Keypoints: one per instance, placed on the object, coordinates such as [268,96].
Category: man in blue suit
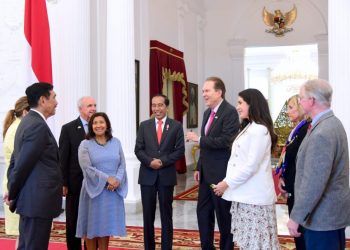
[322,194]
[159,144]
[34,175]
[220,125]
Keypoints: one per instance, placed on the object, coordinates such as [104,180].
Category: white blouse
[249,174]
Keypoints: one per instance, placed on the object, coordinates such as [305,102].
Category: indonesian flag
[37,33]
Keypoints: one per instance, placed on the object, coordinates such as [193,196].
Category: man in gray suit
[322,194]
[34,175]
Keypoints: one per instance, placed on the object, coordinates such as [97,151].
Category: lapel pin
[167,127]
[79,126]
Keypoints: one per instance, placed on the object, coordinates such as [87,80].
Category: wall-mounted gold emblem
[279,22]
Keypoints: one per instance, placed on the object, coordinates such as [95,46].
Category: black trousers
[208,204]
[34,233]
[149,202]
[72,206]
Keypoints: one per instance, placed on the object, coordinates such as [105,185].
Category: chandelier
[297,66]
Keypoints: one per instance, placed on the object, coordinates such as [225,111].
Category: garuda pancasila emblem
[279,22]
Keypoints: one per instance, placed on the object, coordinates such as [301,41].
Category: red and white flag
[37,33]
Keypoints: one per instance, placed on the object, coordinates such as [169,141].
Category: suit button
[158,151]
[234,164]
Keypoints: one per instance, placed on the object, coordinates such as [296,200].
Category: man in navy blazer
[71,136]
[34,176]
[322,194]
[220,125]
[159,144]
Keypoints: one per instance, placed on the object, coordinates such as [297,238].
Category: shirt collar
[39,113]
[318,116]
[217,107]
[164,119]
[83,121]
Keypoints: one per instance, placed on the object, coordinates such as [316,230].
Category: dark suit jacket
[290,158]
[215,148]
[71,136]
[171,148]
[34,176]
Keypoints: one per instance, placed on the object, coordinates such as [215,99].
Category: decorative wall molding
[193,6]
[12,48]
[236,48]
[322,42]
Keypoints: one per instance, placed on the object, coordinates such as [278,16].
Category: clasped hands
[156,164]
[112,183]
[219,188]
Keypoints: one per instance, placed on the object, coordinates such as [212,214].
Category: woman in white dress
[11,122]
[248,182]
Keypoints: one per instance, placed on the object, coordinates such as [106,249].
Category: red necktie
[211,118]
[309,128]
[159,130]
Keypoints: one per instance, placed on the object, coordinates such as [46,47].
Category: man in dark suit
[220,125]
[159,144]
[71,136]
[34,176]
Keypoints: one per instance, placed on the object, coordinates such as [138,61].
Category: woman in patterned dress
[11,122]
[101,205]
[248,182]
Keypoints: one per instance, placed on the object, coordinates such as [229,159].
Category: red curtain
[167,63]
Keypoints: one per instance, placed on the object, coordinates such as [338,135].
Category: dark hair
[258,112]
[108,132]
[218,85]
[37,90]
[20,105]
[166,99]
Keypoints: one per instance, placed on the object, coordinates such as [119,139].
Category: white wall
[233,19]
[163,22]
[13,48]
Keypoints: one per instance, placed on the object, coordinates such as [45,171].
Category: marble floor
[184,212]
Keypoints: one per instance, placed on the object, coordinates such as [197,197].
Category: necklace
[100,143]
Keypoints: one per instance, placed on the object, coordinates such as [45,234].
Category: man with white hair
[322,194]
[72,134]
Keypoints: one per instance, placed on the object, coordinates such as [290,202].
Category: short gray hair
[80,101]
[319,89]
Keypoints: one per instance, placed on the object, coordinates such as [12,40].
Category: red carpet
[183,239]
[191,194]
[10,244]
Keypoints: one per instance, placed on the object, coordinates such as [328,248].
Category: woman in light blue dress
[101,206]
